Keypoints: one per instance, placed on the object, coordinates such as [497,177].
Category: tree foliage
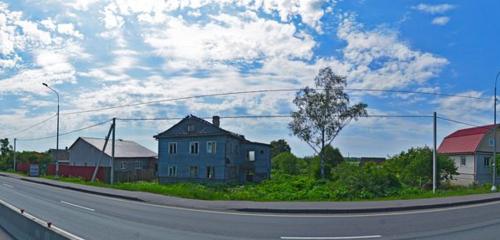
[288,163]
[323,111]
[332,157]
[414,167]
[279,146]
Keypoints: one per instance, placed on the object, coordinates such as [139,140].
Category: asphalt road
[4,235]
[96,217]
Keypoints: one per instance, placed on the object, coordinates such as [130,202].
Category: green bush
[414,167]
[363,182]
[288,163]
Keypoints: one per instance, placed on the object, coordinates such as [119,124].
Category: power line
[66,133]
[260,91]
[30,127]
[459,122]
[265,116]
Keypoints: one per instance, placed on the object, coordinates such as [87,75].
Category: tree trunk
[321,155]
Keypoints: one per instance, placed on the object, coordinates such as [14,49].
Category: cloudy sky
[105,53]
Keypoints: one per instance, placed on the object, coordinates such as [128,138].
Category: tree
[332,157]
[414,167]
[288,163]
[323,112]
[278,147]
[5,153]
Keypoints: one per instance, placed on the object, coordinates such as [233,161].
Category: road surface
[4,235]
[96,217]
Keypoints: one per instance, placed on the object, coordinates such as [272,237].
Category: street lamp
[494,187]
[57,138]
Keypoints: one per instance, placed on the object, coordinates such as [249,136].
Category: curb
[283,210]
[367,210]
[84,190]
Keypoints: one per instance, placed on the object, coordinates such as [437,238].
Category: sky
[98,54]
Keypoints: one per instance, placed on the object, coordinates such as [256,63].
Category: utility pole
[434,155]
[113,152]
[15,140]
[493,180]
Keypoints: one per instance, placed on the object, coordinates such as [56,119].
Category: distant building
[197,150]
[132,161]
[62,155]
[472,151]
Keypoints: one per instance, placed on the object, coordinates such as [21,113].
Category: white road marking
[332,238]
[78,206]
[340,215]
[7,185]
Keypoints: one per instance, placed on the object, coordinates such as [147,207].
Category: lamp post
[57,137]
[493,180]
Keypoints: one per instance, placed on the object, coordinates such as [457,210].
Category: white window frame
[123,165]
[210,172]
[197,172]
[491,142]
[198,148]
[486,161]
[251,155]
[190,128]
[172,171]
[463,161]
[169,148]
[211,147]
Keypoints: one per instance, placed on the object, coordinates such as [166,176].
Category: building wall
[84,154]
[183,160]
[466,172]
[229,161]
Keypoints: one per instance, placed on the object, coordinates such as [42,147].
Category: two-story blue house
[197,150]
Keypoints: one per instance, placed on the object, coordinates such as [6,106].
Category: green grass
[294,189]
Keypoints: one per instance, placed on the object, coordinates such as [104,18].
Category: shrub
[367,181]
[414,167]
[287,163]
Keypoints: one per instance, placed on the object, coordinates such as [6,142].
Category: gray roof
[123,148]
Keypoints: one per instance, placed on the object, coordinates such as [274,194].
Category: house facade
[472,151]
[132,162]
[197,150]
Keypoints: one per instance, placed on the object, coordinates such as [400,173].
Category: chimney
[216,121]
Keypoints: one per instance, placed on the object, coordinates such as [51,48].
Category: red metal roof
[464,140]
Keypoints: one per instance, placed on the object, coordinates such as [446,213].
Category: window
[172,171]
[123,165]
[491,142]
[210,172]
[251,156]
[211,147]
[486,161]
[193,171]
[190,128]
[172,148]
[194,147]
[463,161]
[138,164]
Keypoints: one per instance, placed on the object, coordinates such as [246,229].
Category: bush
[364,182]
[414,167]
[287,163]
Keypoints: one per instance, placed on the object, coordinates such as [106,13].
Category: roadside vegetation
[404,176]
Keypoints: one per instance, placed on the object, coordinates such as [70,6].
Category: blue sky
[106,53]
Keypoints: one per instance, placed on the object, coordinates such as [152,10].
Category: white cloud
[69,29]
[434,9]
[379,59]
[441,21]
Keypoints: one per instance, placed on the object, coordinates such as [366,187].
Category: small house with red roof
[472,151]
